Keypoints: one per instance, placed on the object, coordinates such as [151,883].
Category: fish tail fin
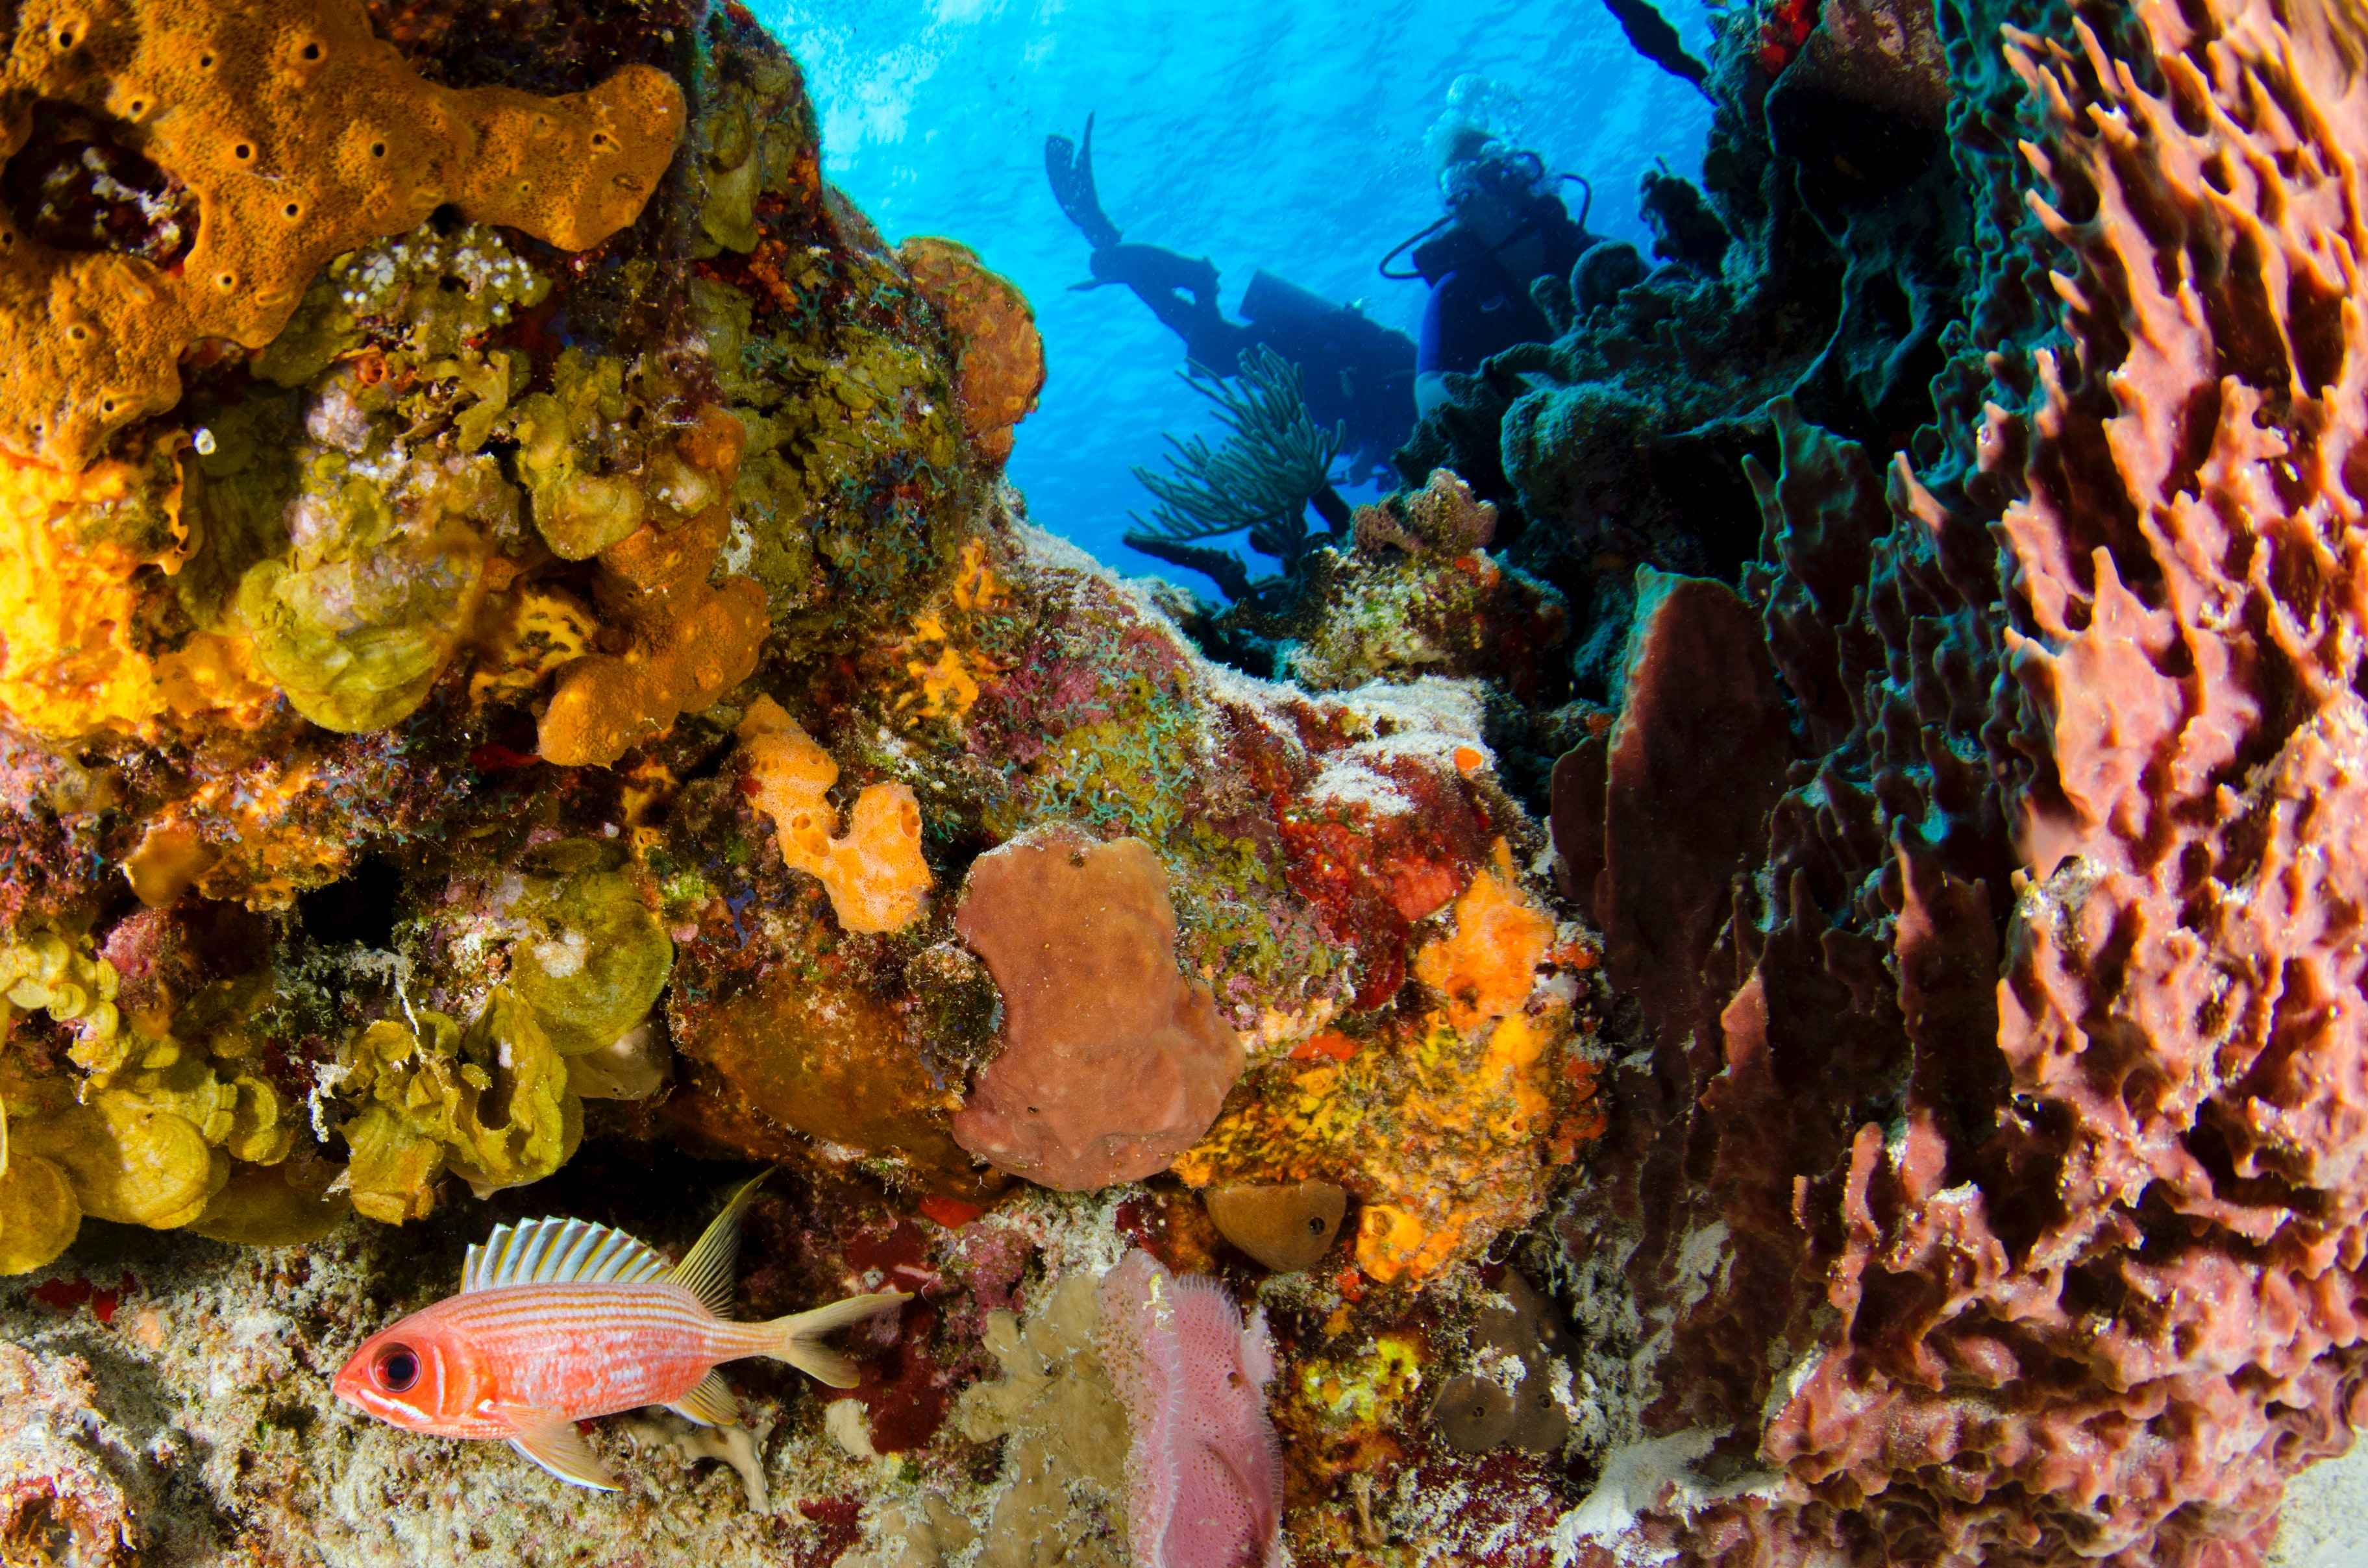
[797,1338]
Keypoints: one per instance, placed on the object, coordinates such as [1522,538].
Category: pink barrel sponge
[1203,1472]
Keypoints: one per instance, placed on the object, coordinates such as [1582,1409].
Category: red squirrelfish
[558,1320]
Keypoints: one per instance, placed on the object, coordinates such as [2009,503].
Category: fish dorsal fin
[706,1269]
[558,1251]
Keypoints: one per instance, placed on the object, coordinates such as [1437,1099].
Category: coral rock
[828,1061]
[1446,1121]
[1067,1432]
[1112,1063]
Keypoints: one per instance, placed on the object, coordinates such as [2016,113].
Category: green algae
[849,495]
[595,959]
[489,1101]
[598,461]
[378,586]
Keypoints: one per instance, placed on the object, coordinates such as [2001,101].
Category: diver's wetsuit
[1478,307]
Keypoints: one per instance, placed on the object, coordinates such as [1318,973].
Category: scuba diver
[1354,371]
[1504,227]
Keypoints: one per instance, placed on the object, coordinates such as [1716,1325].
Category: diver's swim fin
[1069,167]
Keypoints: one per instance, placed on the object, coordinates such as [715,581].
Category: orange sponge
[1000,369]
[873,871]
[691,644]
[298,135]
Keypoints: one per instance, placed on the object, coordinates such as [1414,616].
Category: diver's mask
[1512,176]
[1518,177]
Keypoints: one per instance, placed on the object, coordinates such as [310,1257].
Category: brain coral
[296,134]
[2028,1146]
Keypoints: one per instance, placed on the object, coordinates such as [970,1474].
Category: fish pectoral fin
[711,1404]
[550,1440]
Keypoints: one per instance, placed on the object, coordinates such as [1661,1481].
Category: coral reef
[1976,1185]
[1418,594]
[545,686]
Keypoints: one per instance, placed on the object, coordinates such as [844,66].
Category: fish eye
[396,1369]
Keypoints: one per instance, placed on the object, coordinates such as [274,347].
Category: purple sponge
[1203,1472]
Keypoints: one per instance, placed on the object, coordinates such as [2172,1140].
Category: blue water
[1282,134]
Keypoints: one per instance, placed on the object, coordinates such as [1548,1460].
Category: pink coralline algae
[1203,1472]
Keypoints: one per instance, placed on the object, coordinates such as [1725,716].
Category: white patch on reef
[562,955]
[1788,1387]
[327,1078]
[844,1420]
[1503,1368]
[1632,1480]
[739,545]
[1702,1262]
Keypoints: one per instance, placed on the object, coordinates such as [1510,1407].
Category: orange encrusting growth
[999,356]
[944,664]
[691,642]
[76,584]
[1486,966]
[298,135]
[873,871]
[1446,1121]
